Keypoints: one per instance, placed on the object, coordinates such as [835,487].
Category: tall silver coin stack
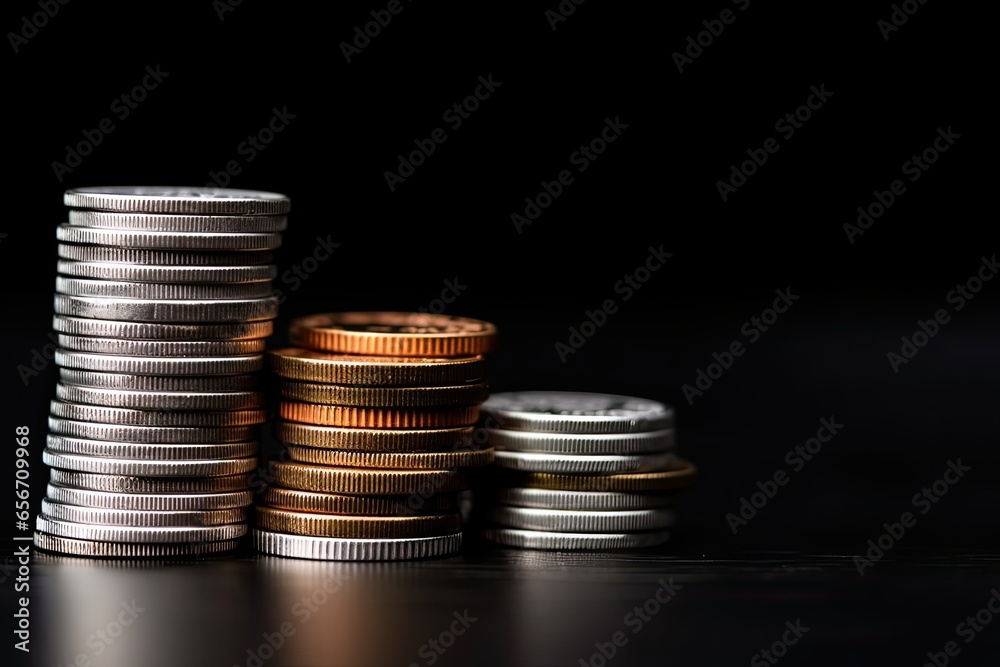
[582,471]
[162,309]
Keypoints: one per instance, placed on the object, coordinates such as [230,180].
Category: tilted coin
[131,417]
[143,535]
[159,383]
[134,518]
[582,443]
[157,502]
[394,334]
[398,397]
[373,439]
[581,500]
[78,326]
[340,503]
[171,199]
[154,485]
[571,521]
[143,468]
[368,481]
[168,274]
[152,434]
[127,450]
[358,527]
[337,549]
[577,412]
[103,253]
[301,364]
[96,549]
[561,541]
[179,223]
[160,400]
[119,363]
[127,238]
[337,415]
[598,464]
[151,310]
[113,289]
[399,460]
[162,348]
[684,475]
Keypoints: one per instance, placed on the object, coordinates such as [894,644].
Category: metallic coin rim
[341,503]
[142,535]
[160,400]
[163,502]
[311,366]
[590,521]
[522,420]
[333,549]
[365,481]
[355,526]
[142,518]
[392,460]
[149,485]
[560,541]
[158,383]
[385,397]
[683,475]
[161,435]
[583,443]
[354,417]
[554,499]
[150,452]
[129,364]
[97,549]
[589,464]
[82,326]
[153,222]
[150,468]
[129,199]
[371,439]
[164,311]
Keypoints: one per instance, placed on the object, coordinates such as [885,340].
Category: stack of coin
[162,309]
[582,471]
[377,412]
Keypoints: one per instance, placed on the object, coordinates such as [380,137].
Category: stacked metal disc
[582,471]
[377,413]
[162,309]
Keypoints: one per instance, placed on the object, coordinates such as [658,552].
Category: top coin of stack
[376,411]
[585,471]
[163,303]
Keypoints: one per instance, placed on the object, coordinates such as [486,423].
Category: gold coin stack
[376,412]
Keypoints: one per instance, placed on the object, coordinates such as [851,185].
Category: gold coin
[375,439]
[339,503]
[684,475]
[394,334]
[399,460]
[300,364]
[338,415]
[366,481]
[394,397]
[357,527]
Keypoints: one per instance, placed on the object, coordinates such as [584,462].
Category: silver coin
[113,289]
[604,464]
[166,435]
[156,502]
[168,274]
[159,400]
[146,257]
[130,417]
[151,310]
[94,549]
[128,450]
[576,412]
[162,348]
[151,222]
[157,383]
[343,549]
[173,199]
[117,363]
[573,521]
[582,443]
[127,238]
[133,484]
[143,535]
[559,541]
[581,500]
[140,468]
[78,326]
[137,519]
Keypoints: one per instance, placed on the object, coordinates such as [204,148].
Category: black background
[655,185]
